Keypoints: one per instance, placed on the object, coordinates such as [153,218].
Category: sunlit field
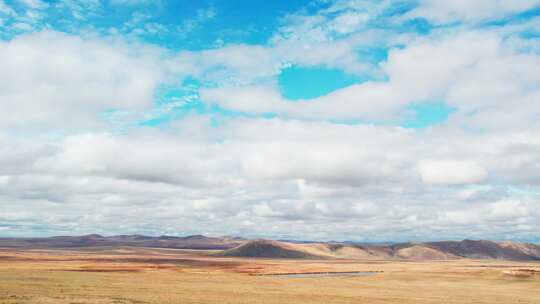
[129,275]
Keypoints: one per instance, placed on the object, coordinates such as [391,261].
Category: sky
[361,120]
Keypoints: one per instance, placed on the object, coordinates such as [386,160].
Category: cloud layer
[109,133]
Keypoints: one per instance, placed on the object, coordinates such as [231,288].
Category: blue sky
[185,25]
[330,116]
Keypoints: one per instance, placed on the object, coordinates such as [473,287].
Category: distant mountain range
[409,251]
[199,242]
[239,247]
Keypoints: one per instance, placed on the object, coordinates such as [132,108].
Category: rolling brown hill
[488,250]
[269,249]
[447,250]
[422,252]
[273,249]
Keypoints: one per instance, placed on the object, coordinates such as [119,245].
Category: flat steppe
[146,275]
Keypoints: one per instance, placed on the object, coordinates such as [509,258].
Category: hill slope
[268,249]
[488,249]
[421,253]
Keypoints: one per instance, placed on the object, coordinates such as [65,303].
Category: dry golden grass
[126,275]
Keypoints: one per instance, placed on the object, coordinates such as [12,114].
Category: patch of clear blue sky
[427,114]
[422,115]
[417,25]
[249,22]
[310,82]
[373,55]
[187,24]
[515,18]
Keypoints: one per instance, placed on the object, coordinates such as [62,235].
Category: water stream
[323,274]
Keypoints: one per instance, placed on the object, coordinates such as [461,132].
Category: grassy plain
[136,276]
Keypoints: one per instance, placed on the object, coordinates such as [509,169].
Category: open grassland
[142,275]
